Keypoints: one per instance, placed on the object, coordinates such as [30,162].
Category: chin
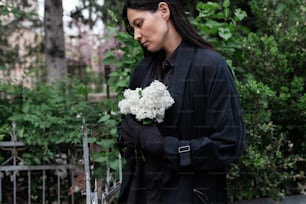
[150,49]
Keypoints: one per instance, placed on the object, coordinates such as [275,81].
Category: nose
[137,34]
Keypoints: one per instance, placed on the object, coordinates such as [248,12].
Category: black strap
[184,154]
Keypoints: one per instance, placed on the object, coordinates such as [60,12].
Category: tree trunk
[54,41]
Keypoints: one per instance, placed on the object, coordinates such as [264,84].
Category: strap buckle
[183,149]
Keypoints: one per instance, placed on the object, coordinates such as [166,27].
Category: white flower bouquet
[148,104]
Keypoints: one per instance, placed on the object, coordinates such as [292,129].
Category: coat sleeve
[222,137]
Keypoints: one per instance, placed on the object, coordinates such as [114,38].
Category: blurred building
[20,41]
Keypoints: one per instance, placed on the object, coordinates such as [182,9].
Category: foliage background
[263,42]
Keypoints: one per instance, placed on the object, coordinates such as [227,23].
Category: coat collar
[177,86]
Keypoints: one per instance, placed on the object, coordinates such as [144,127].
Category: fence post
[91,197]
[86,162]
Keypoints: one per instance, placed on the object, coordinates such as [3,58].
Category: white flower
[148,103]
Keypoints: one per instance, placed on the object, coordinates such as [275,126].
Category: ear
[164,10]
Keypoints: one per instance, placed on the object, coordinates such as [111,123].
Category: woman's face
[150,28]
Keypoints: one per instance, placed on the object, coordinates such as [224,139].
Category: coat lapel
[177,86]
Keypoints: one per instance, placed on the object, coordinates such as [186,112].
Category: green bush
[221,26]
[269,165]
[274,56]
[47,118]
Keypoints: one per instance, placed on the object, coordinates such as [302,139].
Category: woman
[183,159]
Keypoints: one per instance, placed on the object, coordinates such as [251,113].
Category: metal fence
[98,195]
[17,180]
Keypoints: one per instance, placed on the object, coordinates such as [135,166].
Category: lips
[144,44]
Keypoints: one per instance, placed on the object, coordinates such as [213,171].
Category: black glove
[144,137]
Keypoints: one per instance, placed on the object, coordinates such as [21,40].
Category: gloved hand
[144,137]
[125,137]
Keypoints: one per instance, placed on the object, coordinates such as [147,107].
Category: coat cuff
[177,152]
[184,155]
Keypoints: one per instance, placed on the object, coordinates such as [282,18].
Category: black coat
[205,124]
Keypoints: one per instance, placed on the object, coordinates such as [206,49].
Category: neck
[173,41]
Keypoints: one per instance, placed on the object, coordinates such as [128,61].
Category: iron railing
[14,166]
[14,169]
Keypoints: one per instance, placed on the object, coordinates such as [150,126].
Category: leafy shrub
[269,164]
[273,56]
[47,118]
[220,26]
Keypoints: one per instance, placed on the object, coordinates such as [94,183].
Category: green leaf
[106,143]
[225,33]
[109,61]
[25,107]
[226,13]
[20,132]
[112,15]
[104,118]
[147,121]
[108,54]
[226,3]
[240,14]
[110,123]
[100,159]
[279,9]
[113,131]
[91,139]
[114,164]
[123,83]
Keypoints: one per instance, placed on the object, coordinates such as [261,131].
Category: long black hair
[177,17]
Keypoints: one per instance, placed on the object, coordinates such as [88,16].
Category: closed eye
[138,24]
